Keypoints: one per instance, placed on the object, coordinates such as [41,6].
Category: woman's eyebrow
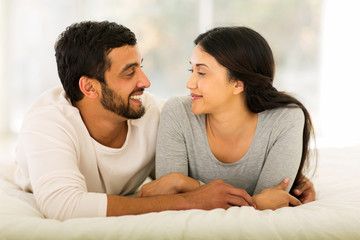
[200,64]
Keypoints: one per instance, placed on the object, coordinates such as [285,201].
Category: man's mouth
[195,96]
[136,96]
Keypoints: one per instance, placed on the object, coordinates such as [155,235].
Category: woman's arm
[275,197]
[171,153]
[283,158]
[171,183]
[271,198]
[171,166]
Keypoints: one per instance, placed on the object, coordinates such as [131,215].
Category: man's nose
[143,82]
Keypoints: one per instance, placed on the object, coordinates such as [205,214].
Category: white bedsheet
[335,215]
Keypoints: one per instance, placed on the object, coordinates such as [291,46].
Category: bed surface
[334,215]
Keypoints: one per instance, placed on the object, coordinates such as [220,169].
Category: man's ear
[238,87]
[88,87]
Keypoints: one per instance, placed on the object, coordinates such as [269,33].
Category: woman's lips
[195,96]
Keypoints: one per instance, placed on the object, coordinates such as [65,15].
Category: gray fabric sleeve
[284,157]
[171,153]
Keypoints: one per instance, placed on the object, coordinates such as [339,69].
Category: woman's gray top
[274,154]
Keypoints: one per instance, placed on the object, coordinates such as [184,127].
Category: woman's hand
[276,197]
[171,183]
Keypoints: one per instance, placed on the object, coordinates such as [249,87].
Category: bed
[334,215]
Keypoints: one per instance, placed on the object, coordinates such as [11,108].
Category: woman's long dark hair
[248,57]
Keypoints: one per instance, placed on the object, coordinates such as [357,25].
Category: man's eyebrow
[130,65]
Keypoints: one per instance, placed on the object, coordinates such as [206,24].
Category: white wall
[340,73]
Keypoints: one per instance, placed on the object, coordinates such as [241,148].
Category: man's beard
[111,101]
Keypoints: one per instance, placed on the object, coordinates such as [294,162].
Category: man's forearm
[120,205]
[216,194]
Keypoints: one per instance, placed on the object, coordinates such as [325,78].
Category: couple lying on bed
[235,141]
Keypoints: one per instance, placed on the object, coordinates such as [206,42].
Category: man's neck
[105,127]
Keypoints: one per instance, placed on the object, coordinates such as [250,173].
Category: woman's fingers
[284,184]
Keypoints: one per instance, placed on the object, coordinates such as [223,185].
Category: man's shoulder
[150,101]
[51,98]
[51,105]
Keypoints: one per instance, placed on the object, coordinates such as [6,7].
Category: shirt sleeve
[59,187]
[171,153]
[283,158]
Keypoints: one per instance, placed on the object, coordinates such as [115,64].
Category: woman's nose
[191,83]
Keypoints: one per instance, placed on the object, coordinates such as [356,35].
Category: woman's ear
[88,87]
[238,87]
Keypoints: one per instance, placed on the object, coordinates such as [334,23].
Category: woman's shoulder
[178,103]
[289,110]
[179,109]
[284,115]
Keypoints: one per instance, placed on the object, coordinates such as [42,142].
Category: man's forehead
[124,51]
[124,55]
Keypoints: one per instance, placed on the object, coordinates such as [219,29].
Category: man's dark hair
[82,50]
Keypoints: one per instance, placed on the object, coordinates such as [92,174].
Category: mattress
[334,215]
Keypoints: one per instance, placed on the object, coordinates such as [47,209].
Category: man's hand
[217,194]
[305,191]
[275,197]
[171,183]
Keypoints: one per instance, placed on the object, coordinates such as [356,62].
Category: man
[84,147]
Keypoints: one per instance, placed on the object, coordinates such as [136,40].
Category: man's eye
[131,74]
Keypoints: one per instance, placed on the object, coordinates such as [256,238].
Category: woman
[235,125]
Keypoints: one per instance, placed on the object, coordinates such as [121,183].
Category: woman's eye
[200,73]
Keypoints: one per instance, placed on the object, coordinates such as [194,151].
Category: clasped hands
[218,194]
